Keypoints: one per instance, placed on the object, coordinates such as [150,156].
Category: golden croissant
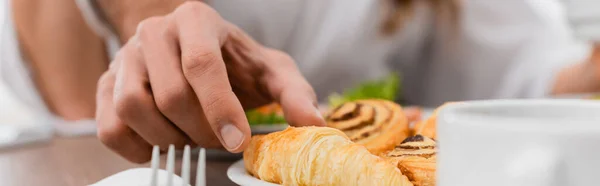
[379,125]
[317,156]
[416,158]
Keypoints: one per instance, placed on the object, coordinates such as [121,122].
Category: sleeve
[584,17]
[514,48]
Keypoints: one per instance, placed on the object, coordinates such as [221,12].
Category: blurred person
[185,72]
[48,46]
[51,60]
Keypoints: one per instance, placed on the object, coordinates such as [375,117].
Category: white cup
[519,143]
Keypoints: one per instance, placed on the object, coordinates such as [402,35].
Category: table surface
[81,161]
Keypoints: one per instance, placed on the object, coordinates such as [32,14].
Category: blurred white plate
[238,174]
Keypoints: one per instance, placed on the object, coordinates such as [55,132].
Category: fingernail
[232,136]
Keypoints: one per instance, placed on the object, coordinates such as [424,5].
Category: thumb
[289,88]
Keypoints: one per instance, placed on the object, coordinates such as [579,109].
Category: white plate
[238,174]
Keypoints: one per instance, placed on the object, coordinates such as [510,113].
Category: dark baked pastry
[379,125]
[416,159]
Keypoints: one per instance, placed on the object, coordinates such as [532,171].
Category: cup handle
[535,167]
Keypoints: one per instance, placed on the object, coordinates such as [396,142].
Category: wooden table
[80,161]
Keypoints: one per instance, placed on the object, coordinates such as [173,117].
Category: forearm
[65,56]
[124,15]
[580,78]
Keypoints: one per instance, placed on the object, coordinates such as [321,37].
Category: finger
[284,83]
[112,132]
[288,87]
[173,95]
[135,105]
[205,71]
[413,113]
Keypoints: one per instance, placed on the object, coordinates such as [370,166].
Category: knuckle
[170,100]
[149,23]
[194,7]
[113,137]
[105,81]
[196,10]
[215,99]
[129,101]
[149,26]
[199,61]
[281,58]
[110,134]
[115,134]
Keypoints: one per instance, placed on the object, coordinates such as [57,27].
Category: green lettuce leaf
[256,118]
[386,88]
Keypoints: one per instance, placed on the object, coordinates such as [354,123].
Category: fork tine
[201,168]
[185,167]
[170,165]
[154,165]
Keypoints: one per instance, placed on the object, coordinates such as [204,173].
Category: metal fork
[185,168]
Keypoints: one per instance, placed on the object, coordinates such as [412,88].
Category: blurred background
[420,54]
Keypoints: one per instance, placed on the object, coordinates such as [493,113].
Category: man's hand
[186,78]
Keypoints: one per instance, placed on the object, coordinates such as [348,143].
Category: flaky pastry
[317,156]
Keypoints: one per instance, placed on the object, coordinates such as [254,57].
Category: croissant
[379,125]
[317,156]
[416,158]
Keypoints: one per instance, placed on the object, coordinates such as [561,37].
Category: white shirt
[14,73]
[502,49]
[584,17]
